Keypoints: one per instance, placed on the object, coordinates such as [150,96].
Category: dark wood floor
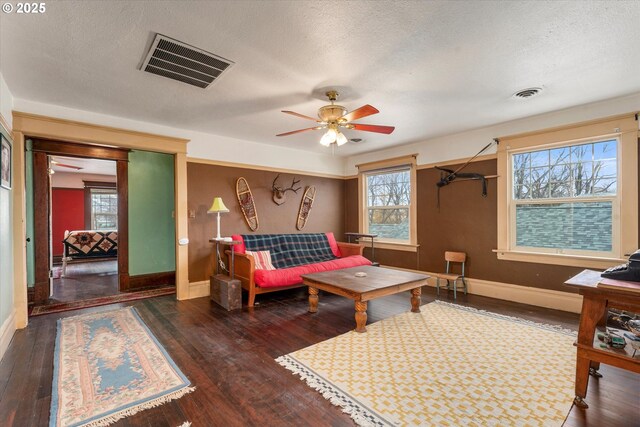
[86,280]
[229,357]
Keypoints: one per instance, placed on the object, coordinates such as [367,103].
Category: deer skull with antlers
[279,192]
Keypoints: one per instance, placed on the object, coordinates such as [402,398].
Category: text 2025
[31,7]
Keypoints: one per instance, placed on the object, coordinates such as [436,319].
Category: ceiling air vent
[179,61]
[527,93]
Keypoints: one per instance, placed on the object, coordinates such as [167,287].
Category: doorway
[84,228]
[81,251]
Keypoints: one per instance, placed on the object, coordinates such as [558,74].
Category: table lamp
[218,207]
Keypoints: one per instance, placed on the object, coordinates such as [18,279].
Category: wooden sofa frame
[244,267]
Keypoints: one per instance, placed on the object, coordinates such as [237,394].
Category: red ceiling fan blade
[293,113]
[358,113]
[298,131]
[62,165]
[373,128]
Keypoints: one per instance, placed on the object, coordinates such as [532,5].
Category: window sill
[558,259]
[407,247]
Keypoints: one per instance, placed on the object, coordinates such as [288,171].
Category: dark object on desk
[629,271]
[226,291]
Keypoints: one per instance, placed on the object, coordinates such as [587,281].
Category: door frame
[88,133]
[42,148]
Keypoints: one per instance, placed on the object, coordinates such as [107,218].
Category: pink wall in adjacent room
[67,213]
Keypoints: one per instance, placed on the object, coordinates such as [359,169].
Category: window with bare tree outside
[388,195]
[564,199]
[568,195]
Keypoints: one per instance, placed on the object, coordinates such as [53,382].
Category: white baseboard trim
[199,289]
[548,298]
[7,330]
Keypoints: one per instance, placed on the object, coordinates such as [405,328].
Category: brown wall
[208,181]
[465,222]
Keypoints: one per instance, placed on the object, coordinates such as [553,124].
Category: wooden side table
[359,236]
[224,289]
[600,294]
[223,242]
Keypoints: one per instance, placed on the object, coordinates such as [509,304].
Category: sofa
[273,262]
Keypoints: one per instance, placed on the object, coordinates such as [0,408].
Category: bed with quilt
[86,244]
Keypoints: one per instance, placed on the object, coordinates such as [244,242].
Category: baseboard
[7,330]
[166,278]
[199,289]
[547,298]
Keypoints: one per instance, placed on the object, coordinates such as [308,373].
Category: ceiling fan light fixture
[333,117]
[328,138]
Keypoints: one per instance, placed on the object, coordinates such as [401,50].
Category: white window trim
[614,199]
[93,213]
[625,128]
[398,162]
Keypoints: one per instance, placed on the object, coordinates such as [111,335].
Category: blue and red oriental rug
[107,366]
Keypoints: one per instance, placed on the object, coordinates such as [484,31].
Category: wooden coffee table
[378,282]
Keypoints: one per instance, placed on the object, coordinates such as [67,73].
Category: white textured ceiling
[431,68]
[87,166]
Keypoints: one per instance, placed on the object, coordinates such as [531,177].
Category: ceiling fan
[64,165]
[334,117]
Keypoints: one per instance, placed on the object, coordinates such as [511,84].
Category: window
[388,200]
[564,199]
[104,209]
[387,195]
[570,194]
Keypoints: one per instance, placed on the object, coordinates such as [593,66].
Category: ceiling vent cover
[527,93]
[179,61]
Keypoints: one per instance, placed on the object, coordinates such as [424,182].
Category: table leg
[415,300]
[313,300]
[361,316]
[592,311]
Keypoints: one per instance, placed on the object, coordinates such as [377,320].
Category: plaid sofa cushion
[290,250]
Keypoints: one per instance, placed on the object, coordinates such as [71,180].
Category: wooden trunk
[226,292]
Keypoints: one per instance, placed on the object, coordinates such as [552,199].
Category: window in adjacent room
[387,195]
[104,209]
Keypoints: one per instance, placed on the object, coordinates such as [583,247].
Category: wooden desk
[600,294]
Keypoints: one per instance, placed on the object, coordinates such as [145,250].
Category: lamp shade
[328,138]
[218,206]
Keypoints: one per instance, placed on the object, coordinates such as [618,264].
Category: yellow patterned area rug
[446,366]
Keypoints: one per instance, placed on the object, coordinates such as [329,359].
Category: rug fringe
[360,416]
[108,420]
[546,326]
